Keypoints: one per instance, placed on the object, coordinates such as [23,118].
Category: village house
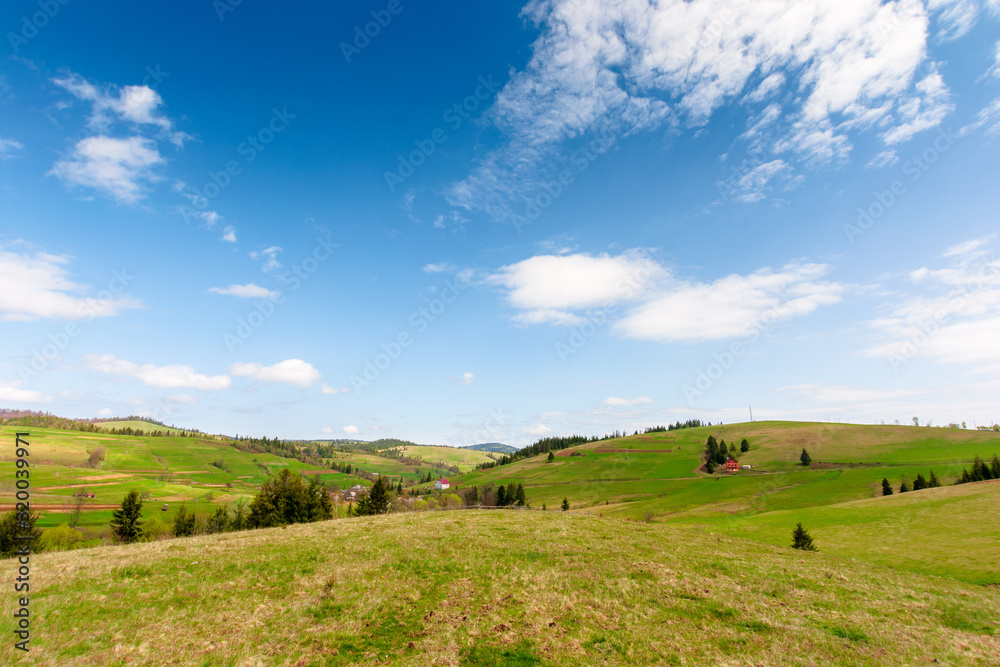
[732,465]
[441,484]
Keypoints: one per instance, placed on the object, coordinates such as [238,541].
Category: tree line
[717,453]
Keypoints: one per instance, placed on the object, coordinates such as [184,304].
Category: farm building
[441,484]
[732,465]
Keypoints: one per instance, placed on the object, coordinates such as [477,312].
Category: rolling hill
[495,447]
[494,588]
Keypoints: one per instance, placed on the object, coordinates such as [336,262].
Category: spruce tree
[933,482]
[995,467]
[552,457]
[565,505]
[744,446]
[126,523]
[919,483]
[886,487]
[710,467]
[519,495]
[805,458]
[903,486]
[378,498]
[801,539]
[511,494]
[183,522]
[501,496]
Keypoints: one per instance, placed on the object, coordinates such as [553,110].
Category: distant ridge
[497,447]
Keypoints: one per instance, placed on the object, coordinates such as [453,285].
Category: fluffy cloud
[120,167]
[139,105]
[614,401]
[953,320]
[548,287]
[248,291]
[38,286]
[467,378]
[539,430]
[661,307]
[730,307]
[162,377]
[12,392]
[269,256]
[291,371]
[350,429]
[613,69]
[327,389]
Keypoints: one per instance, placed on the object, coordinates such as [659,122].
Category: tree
[552,457]
[519,495]
[501,496]
[886,487]
[76,511]
[744,446]
[238,520]
[903,486]
[933,482]
[805,458]
[545,507]
[183,522]
[511,494]
[318,502]
[919,483]
[565,505]
[16,525]
[710,466]
[995,467]
[218,522]
[801,539]
[378,498]
[126,521]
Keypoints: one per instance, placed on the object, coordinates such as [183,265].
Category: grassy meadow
[493,588]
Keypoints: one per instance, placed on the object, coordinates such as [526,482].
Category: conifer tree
[519,495]
[933,482]
[183,522]
[919,483]
[744,446]
[378,498]
[886,487]
[552,457]
[805,458]
[565,505]
[903,486]
[126,523]
[501,496]
[710,467]
[995,467]
[801,539]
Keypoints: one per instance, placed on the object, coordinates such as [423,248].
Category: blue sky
[500,222]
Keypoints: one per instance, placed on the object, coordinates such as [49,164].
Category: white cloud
[956,17]
[38,286]
[163,377]
[105,412]
[548,287]
[883,159]
[291,371]
[326,430]
[11,392]
[229,234]
[438,268]
[613,69]
[7,148]
[539,430]
[351,429]
[248,291]
[467,378]
[988,118]
[139,105]
[614,401]
[119,167]
[327,389]
[953,319]
[557,289]
[730,307]
[269,256]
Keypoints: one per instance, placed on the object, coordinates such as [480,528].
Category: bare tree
[76,506]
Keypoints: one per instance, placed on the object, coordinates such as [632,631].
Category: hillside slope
[480,587]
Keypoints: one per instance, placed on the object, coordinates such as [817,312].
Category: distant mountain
[497,447]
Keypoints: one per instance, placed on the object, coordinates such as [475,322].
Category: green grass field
[464,459]
[493,588]
[146,427]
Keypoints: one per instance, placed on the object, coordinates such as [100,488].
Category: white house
[441,484]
